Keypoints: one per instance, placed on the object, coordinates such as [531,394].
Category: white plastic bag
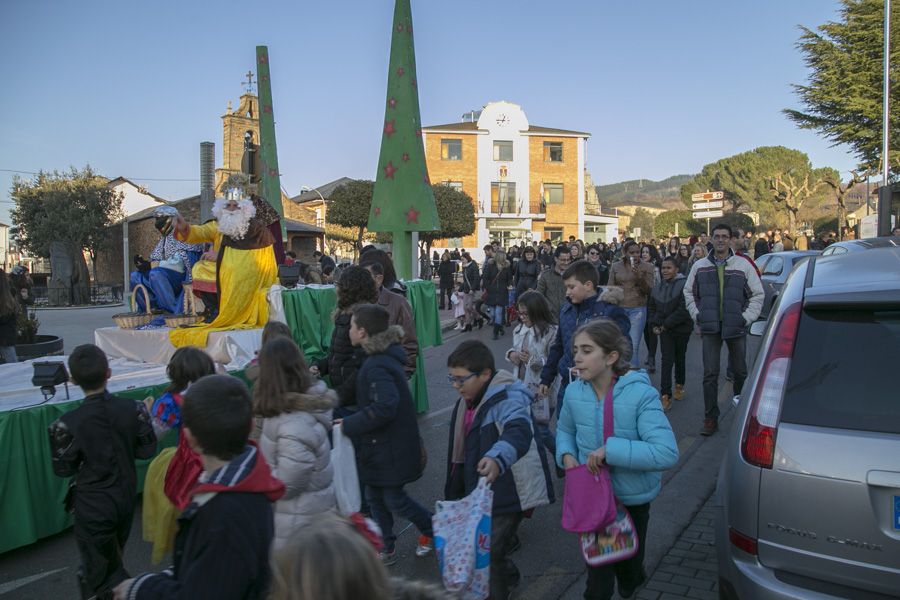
[462,540]
[346,481]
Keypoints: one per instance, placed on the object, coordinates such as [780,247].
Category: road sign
[707,196]
[707,214]
[713,204]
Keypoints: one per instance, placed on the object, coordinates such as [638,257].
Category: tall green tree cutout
[403,200]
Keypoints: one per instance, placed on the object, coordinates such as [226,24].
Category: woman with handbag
[532,339]
[495,279]
[612,420]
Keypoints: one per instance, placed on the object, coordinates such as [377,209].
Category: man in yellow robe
[245,267]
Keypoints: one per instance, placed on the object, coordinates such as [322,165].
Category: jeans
[712,356]
[385,501]
[504,573]
[8,353]
[674,349]
[629,573]
[637,316]
[497,313]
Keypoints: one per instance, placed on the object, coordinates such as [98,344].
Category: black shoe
[629,592]
[480,323]
[467,328]
[710,426]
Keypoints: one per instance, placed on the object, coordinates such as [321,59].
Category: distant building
[526,182]
[135,198]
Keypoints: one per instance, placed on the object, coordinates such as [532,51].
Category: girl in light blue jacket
[641,446]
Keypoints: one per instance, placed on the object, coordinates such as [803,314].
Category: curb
[77,307]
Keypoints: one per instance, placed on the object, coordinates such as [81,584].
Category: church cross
[249,82]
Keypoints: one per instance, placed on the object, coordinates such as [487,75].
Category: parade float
[34,393]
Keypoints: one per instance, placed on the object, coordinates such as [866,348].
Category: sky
[133,88]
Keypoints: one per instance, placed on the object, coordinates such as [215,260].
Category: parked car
[857,245]
[808,497]
[775,268]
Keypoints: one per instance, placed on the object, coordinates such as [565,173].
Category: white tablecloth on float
[16,391]
[233,349]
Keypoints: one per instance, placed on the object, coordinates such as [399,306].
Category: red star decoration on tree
[267,109]
[412,215]
[263,60]
[264,78]
[389,128]
[409,29]
[400,27]
[377,211]
[272,172]
[389,170]
[400,71]
[405,157]
[392,103]
[415,84]
[418,133]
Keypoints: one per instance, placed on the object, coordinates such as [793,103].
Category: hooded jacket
[222,545]
[501,429]
[571,317]
[642,443]
[343,359]
[730,313]
[389,451]
[296,447]
[666,307]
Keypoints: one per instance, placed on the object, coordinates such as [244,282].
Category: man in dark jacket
[224,534]
[669,318]
[98,443]
[724,295]
[446,270]
[550,282]
[761,246]
[385,429]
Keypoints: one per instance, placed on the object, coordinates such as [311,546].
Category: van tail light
[758,442]
[744,542]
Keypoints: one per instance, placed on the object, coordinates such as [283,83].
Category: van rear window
[845,372]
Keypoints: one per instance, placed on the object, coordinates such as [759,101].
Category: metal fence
[101,293]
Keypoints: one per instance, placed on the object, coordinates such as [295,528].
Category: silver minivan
[808,496]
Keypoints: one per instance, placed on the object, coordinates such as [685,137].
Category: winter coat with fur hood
[385,430]
[298,452]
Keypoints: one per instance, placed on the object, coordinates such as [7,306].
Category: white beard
[234,224]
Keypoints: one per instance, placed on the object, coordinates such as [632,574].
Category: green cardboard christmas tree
[403,200]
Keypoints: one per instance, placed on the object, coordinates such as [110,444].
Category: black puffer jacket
[527,272]
[343,360]
[385,430]
[496,281]
[446,270]
[666,307]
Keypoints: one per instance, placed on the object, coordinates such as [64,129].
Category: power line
[131,178]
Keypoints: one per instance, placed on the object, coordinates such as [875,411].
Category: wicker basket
[190,316]
[135,319]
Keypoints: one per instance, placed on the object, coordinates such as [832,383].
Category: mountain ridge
[663,194]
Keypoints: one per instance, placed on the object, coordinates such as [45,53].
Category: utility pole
[884,193]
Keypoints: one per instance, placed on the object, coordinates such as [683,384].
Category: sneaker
[425,546]
[388,557]
[666,403]
[679,392]
[710,426]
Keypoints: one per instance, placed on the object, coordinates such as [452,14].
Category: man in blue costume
[169,269]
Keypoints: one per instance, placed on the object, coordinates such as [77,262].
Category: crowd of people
[246,499]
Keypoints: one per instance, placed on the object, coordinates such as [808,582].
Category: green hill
[653,194]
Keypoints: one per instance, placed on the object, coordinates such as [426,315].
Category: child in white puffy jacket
[297,415]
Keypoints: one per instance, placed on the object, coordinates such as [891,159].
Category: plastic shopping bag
[346,481]
[462,539]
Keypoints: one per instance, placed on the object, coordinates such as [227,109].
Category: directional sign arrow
[713,204]
[708,214]
[707,196]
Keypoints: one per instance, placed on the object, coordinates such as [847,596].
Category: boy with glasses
[492,436]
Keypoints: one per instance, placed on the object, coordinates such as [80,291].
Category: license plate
[897,513]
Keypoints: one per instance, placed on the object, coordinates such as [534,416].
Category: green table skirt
[308,312]
[31,495]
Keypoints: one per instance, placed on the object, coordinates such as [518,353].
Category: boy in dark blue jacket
[491,436]
[584,302]
[385,430]
[224,534]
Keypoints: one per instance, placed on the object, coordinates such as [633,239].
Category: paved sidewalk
[689,570]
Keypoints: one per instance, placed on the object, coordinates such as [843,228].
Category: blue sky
[133,88]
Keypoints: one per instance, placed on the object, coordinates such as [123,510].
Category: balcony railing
[520,207]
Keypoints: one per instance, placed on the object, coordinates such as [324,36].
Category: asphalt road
[549,559]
